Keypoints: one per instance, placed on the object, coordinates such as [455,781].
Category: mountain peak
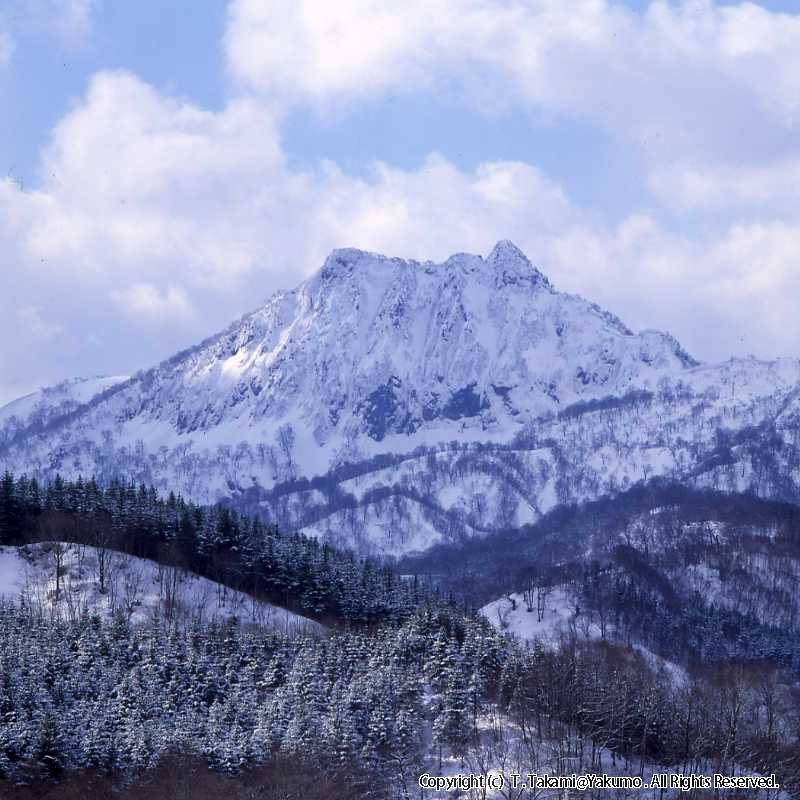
[506,251]
[373,367]
[343,259]
[506,264]
[506,256]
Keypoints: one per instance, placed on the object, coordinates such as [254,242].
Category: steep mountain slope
[431,400]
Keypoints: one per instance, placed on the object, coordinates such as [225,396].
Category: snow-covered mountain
[40,407]
[430,401]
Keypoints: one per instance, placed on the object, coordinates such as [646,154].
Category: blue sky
[163,169]
[171,46]
[167,44]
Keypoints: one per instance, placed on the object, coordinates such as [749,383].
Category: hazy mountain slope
[40,407]
[374,367]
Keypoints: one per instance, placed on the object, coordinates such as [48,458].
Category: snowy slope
[138,589]
[510,614]
[439,400]
[558,620]
[44,405]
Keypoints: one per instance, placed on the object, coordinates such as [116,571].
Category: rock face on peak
[506,252]
[512,264]
[426,400]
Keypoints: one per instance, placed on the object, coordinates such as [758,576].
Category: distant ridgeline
[291,570]
[699,577]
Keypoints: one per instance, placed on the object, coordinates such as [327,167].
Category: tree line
[292,570]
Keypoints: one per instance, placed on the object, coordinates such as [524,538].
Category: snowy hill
[547,616]
[430,402]
[38,408]
[137,589]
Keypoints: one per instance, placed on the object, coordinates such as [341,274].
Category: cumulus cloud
[678,78]
[727,292]
[138,182]
[765,189]
[703,99]
[185,218]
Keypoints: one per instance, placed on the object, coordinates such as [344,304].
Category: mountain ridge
[373,357]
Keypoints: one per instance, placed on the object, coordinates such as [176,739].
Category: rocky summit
[389,405]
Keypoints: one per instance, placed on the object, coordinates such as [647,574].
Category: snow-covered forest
[292,570]
[440,691]
[403,676]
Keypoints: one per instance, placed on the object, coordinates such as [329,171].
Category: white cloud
[685,78]
[726,293]
[34,323]
[146,300]
[318,49]
[192,217]
[770,188]
[138,184]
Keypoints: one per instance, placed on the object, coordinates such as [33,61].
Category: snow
[509,614]
[12,568]
[68,394]
[139,589]
[312,358]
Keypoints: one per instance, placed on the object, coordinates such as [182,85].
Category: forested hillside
[289,569]
[700,577]
[436,691]
[426,686]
